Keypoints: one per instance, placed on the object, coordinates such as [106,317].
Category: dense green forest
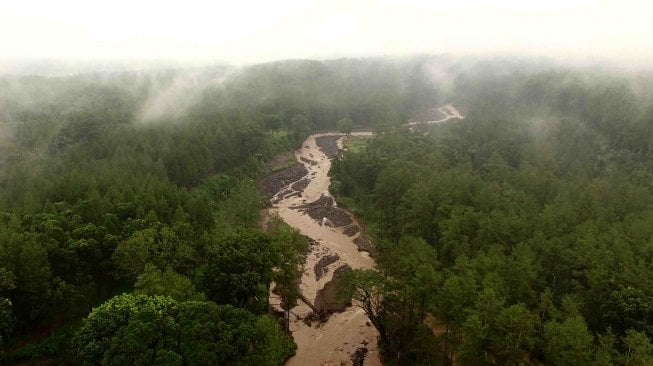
[129,204]
[519,235]
[522,234]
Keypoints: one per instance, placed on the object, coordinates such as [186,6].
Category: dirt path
[335,341]
[449,112]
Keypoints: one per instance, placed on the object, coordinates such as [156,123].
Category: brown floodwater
[335,341]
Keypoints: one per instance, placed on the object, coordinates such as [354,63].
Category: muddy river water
[335,341]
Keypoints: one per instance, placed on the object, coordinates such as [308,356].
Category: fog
[204,32]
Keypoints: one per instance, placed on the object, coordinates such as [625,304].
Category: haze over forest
[326,183]
[247,32]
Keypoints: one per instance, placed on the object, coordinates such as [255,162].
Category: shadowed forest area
[130,203]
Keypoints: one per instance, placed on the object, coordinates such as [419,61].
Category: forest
[519,235]
[130,206]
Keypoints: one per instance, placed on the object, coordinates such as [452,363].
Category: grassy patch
[356,144]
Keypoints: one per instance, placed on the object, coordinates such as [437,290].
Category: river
[335,341]
[448,111]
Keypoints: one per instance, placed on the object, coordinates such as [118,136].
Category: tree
[289,273]
[368,288]
[628,308]
[7,320]
[345,125]
[300,128]
[131,255]
[241,208]
[168,283]
[145,330]
[117,330]
[397,301]
[391,185]
[515,334]
[33,279]
[639,351]
[569,342]
[272,121]
[239,269]
[160,246]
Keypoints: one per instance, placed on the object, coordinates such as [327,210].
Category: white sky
[249,31]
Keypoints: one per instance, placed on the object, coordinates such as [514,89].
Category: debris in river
[364,245]
[321,267]
[301,184]
[308,161]
[324,207]
[351,229]
[358,358]
[328,145]
[328,300]
[276,181]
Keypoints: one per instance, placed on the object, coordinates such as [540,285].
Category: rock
[364,245]
[324,207]
[323,201]
[321,267]
[328,145]
[300,185]
[327,300]
[358,358]
[308,161]
[351,230]
[274,182]
[285,193]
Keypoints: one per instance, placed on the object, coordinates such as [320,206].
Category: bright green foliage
[153,281]
[239,269]
[143,330]
[639,351]
[275,347]
[161,247]
[568,343]
[241,208]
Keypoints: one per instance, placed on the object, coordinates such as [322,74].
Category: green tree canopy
[239,269]
[145,330]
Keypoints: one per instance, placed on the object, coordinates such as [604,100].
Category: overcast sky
[238,31]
